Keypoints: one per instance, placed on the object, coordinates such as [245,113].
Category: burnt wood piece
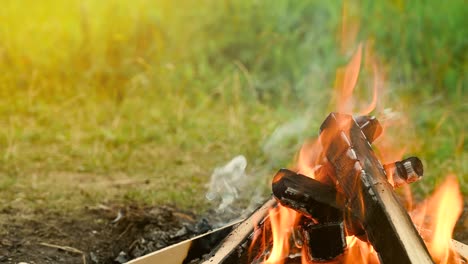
[236,247]
[406,171]
[323,242]
[307,196]
[314,199]
[364,183]
[370,126]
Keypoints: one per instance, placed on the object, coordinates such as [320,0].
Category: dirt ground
[105,233]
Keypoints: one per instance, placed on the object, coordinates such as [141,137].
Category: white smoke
[285,140]
[227,182]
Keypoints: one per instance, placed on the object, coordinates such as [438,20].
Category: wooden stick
[460,248]
[235,246]
[67,249]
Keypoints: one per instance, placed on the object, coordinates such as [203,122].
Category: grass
[138,101]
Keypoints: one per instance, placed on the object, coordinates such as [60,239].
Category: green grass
[140,100]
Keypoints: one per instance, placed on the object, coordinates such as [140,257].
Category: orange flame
[346,80]
[437,224]
[371,62]
[282,221]
[309,157]
[359,252]
[349,25]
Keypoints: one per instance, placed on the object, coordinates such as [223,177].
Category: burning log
[364,183]
[307,196]
[315,200]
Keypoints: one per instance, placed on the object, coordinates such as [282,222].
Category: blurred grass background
[140,100]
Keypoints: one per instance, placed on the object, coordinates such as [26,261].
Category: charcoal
[323,242]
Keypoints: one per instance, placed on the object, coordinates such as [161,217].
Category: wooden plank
[177,253]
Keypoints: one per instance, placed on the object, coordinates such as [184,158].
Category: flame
[437,223]
[359,252]
[349,25]
[282,222]
[346,79]
[377,83]
[309,158]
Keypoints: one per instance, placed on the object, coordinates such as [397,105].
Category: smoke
[285,140]
[227,182]
[235,192]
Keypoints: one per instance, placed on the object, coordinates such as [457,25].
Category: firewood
[364,183]
[315,200]
[307,196]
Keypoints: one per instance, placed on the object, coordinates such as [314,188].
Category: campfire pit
[353,199]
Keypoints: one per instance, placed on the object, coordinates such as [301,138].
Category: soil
[106,233]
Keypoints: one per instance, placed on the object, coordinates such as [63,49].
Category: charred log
[307,196]
[315,200]
[323,242]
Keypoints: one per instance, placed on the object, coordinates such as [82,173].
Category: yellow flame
[282,221]
[446,207]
